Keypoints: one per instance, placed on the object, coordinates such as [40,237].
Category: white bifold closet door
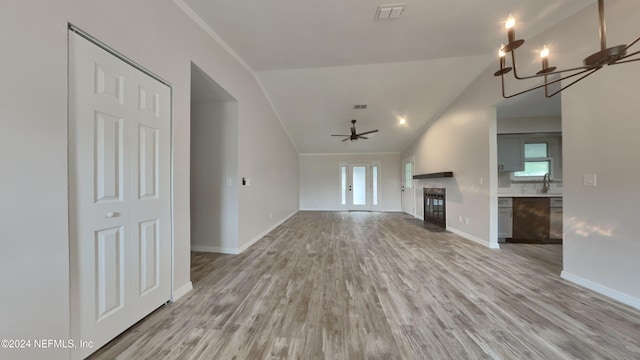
[120,197]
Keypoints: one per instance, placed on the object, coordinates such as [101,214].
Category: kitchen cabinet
[510,153]
[531,219]
[505,219]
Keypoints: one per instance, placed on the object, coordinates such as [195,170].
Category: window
[536,160]
[408,175]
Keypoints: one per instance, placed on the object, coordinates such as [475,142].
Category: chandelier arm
[573,82]
[515,71]
[626,61]
[590,71]
[624,57]
[631,44]
[504,95]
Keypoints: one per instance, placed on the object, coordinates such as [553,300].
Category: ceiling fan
[355,136]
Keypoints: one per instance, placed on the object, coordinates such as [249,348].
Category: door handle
[111,214]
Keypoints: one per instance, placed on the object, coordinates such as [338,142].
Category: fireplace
[435,206]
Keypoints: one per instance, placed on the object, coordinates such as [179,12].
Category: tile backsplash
[506,186]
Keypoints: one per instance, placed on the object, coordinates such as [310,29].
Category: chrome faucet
[546,182]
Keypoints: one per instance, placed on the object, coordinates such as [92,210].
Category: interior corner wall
[320,181]
[214,176]
[269,161]
[35,238]
[600,136]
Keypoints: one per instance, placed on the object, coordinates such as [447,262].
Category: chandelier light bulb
[544,53]
[501,52]
[510,23]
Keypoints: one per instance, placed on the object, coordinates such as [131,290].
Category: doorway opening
[529,170]
[214,166]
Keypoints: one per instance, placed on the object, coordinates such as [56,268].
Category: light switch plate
[590,180]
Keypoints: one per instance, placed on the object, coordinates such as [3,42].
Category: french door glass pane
[359,185]
[343,181]
[374,183]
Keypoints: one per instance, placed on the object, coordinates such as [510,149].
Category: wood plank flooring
[356,285]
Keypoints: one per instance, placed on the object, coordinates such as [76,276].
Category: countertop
[530,195]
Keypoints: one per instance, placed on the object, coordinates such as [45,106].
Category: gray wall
[529,124]
[601,128]
[214,177]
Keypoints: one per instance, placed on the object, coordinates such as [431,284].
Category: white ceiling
[316,59]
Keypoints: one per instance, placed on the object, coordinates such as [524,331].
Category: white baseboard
[339,210]
[215,249]
[178,293]
[473,238]
[604,290]
[322,210]
[236,251]
[261,235]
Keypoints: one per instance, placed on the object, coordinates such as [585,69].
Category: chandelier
[606,56]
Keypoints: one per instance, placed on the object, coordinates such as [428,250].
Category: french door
[119,193]
[359,185]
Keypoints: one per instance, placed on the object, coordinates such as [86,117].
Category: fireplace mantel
[444,174]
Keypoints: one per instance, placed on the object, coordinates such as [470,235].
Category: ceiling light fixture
[402,121]
[606,56]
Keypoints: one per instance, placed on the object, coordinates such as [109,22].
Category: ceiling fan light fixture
[606,56]
[354,136]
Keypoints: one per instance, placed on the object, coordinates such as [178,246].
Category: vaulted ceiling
[317,59]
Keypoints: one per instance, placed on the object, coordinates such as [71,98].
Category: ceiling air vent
[388,12]
[358,107]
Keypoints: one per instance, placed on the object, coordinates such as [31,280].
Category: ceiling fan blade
[340,135]
[368,132]
[346,139]
[362,137]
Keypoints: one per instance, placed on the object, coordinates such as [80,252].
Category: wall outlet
[481,181]
[460,218]
[466,221]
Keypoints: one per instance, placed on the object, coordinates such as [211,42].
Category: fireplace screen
[435,208]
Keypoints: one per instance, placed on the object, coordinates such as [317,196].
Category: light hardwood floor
[355,285]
